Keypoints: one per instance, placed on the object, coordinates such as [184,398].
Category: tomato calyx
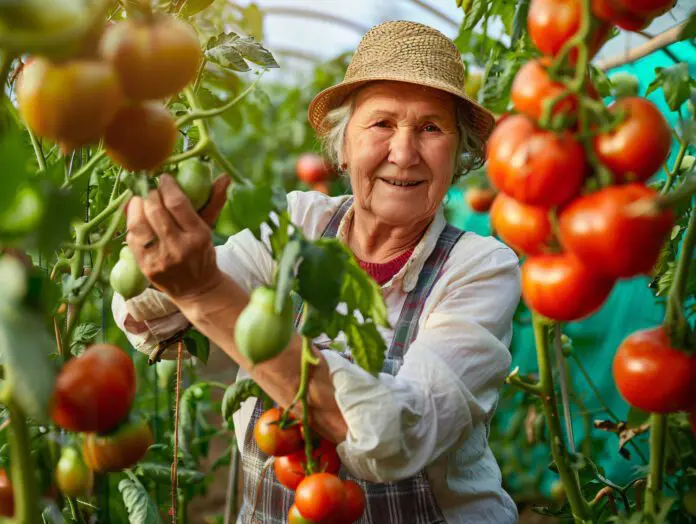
[278,433]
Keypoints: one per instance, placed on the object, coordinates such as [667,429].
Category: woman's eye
[431,128]
[381,123]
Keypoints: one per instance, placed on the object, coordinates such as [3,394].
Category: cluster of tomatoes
[93,397]
[114,91]
[577,243]
[320,497]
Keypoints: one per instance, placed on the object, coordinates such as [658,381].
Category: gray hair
[470,149]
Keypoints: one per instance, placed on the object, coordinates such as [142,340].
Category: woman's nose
[403,149]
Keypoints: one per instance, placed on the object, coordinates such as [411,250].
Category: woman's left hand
[171,242]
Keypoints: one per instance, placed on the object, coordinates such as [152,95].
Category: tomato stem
[675,324]
[25,490]
[672,175]
[658,433]
[86,168]
[571,482]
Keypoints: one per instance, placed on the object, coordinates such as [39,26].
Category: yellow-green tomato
[260,333]
[195,178]
[126,278]
[73,477]
[41,15]
[624,84]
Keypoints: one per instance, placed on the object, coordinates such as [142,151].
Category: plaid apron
[409,501]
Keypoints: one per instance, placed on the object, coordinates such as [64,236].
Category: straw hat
[405,52]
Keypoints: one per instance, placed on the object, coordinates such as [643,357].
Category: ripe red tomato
[320,496]
[94,392]
[534,166]
[354,505]
[119,450]
[639,145]
[295,517]
[561,288]
[533,85]
[480,199]
[312,168]
[7,508]
[290,469]
[646,8]
[600,231]
[274,440]
[524,228]
[611,11]
[653,376]
[141,136]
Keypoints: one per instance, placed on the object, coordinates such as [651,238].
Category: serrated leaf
[141,508]
[222,51]
[84,334]
[316,323]
[255,52]
[198,345]
[366,345]
[249,206]
[280,235]
[161,473]
[475,14]
[519,24]
[286,273]
[192,7]
[362,293]
[676,84]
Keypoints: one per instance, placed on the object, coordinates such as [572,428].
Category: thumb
[218,197]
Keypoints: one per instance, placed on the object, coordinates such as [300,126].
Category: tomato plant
[126,279]
[118,450]
[561,288]
[290,469]
[312,168]
[73,477]
[534,166]
[601,231]
[533,86]
[320,496]
[647,357]
[275,437]
[196,180]
[94,392]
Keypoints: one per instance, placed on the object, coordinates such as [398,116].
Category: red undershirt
[382,273]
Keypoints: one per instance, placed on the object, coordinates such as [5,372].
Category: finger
[139,230]
[161,221]
[178,204]
[217,201]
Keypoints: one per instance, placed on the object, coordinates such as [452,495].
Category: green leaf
[320,274]
[198,345]
[188,407]
[316,323]
[237,393]
[362,293]
[601,81]
[286,273]
[62,206]
[519,24]
[141,508]
[249,206]
[83,335]
[367,346]
[676,84]
[192,7]
[475,14]
[254,52]
[25,345]
[280,235]
[15,159]
[161,474]
[221,51]
[689,30]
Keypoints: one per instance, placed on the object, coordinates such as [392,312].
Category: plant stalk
[579,506]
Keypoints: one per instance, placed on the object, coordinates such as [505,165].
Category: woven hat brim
[480,121]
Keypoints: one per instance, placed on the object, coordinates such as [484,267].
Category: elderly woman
[415,436]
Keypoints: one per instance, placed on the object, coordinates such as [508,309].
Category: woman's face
[401,134]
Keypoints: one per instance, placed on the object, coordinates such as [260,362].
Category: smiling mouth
[401,183]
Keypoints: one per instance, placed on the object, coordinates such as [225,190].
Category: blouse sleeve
[449,380]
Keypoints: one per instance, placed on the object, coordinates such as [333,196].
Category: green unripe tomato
[165,371]
[195,178]
[261,334]
[558,491]
[624,84]
[73,477]
[689,502]
[126,278]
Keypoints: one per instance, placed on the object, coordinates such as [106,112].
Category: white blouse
[435,413]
